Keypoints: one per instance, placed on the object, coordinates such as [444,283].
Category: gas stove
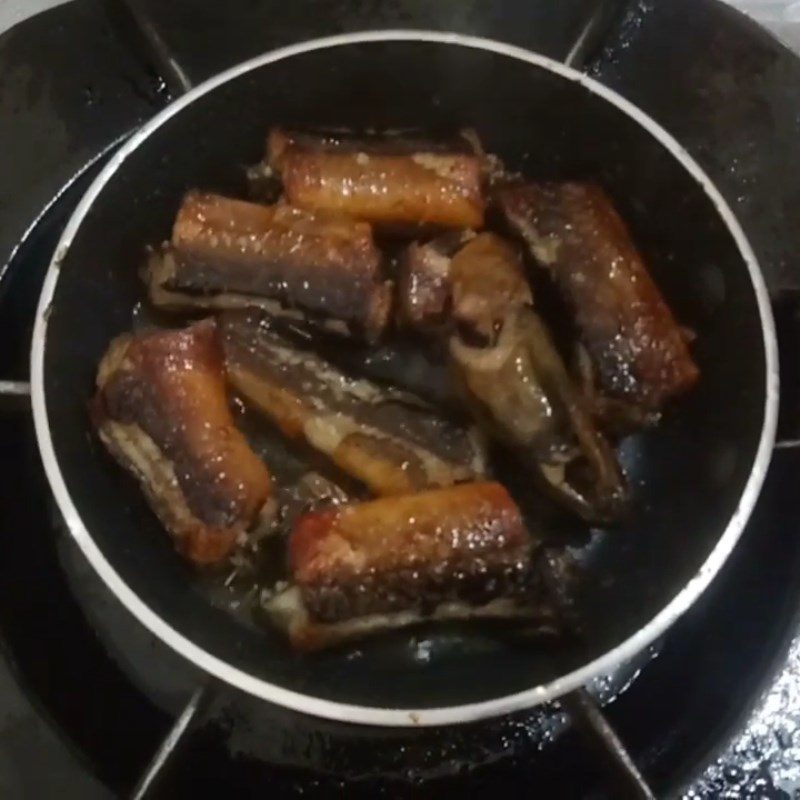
[92,706]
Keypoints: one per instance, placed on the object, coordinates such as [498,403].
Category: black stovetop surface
[86,695]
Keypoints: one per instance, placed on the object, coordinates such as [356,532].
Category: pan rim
[374,715]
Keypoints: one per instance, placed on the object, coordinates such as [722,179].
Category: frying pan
[695,478]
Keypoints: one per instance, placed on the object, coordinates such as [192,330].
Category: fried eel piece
[387,439]
[639,353]
[397,361]
[424,291]
[379,183]
[489,285]
[461,552]
[509,372]
[227,253]
[513,378]
[161,410]
[465,281]
[521,392]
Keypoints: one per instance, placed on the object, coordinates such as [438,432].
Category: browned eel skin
[458,552]
[230,253]
[639,353]
[384,438]
[462,279]
[516,384]
[489,285]
[161,410]
[424,292]
[376,184]
[514,381]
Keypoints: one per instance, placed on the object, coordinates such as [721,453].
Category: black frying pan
[696,477]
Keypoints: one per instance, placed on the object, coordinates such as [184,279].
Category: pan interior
[688,474]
